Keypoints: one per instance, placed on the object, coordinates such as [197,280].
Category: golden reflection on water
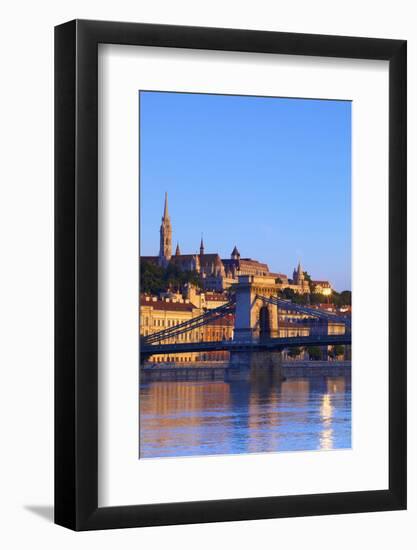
[334,386]
[211,416]
[175,407]
[326,410]
[165,398]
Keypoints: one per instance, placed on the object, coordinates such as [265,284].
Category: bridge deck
[270,344]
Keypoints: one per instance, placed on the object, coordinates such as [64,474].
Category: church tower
[235,255]
[298,275]
[165,248]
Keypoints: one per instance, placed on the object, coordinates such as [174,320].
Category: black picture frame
[76,272]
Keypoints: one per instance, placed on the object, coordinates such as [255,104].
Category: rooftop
[321,283]
[166,305]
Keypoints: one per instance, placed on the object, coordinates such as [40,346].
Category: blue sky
[270,175]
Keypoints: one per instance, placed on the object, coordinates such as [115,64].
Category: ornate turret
[300,272]
[201,246]
[235,255]
[165,248]
[177,250]
[298,275]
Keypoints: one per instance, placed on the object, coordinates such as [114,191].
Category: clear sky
[270,175]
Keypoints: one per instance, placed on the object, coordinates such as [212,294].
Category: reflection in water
[184,418]
[326,409]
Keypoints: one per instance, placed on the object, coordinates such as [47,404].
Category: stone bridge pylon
[254,318]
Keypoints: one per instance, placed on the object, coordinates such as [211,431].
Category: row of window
[146,321]
[216,356]
[173,359]
[192,336]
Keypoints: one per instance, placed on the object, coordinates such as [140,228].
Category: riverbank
[295,369]
[221,370]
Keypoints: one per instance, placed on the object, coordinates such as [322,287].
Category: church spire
[201,246]
[299,274]
[177,250]
[166,215]
[165,232]
[235,255]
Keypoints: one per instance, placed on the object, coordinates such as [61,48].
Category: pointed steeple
[201,246]
[165,232]
[235,255]
[300,273]
[177,250]
[166,214]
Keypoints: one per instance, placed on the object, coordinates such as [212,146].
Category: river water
[189,418]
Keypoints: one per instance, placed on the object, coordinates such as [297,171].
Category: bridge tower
[254,319]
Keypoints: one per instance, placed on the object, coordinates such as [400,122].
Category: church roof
[182,257]
[209,257]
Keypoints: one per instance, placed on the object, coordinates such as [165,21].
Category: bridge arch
[264,322]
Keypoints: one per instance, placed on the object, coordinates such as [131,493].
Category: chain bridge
[261,324]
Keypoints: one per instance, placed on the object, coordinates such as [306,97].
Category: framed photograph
[230,244]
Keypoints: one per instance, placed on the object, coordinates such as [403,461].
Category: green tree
[301,299]
[287,293]
[173,277]
[155,279]
[346,297]
[151,278]
[343,298]
[290,294]
[294,352]
[316,298]
[314,353]
[338,350]
[194,278]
